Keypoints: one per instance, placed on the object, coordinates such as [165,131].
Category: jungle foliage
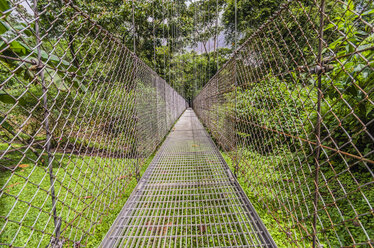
[274,110]
[280,94]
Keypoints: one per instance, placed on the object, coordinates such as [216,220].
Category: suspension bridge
[188,197]
[101,149]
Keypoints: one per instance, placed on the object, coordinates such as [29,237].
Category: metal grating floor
[188,198]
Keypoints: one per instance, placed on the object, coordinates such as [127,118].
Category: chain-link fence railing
[80,114]
[294,111]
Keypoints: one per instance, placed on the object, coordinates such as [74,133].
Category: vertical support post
[236,119]
[137,166]
[216,51]
[133,24]
[216,38]
[136,135]
[54,240]
[319,120]
[217,104]
[157,115]
[236,89]
[166,109]
[154,36]
[236,27]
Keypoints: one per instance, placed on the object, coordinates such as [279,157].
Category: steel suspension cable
[163,36]
[217,36]
[169,43]
[197,48]
[133,24]
[236,25]
[154,36]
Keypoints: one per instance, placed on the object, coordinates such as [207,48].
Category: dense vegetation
[182,41]
[274,110]
[73,130]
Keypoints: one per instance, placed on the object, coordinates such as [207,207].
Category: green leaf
[4,5]
[368,12]
[3,27]
[331,25]
[361,32]
[364,46]
[54,60]
[359,67]
[51,57]
[19,48]
[5,98]
[21,26]
[52,76]
[336,43]
[78,85]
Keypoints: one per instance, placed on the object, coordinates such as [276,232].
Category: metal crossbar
[294,111]
[188,198]
[80,115]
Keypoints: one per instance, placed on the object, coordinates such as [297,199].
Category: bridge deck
[188,198]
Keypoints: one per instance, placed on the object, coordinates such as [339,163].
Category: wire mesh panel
[294,111]
[188,198]
[80,114]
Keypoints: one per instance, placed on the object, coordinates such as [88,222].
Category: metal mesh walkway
[188,197]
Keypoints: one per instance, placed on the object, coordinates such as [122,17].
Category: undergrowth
[89,198]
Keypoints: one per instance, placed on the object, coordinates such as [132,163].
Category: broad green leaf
[3,27]
[336,43]
[54,61]
[52,76]
[359,67]
[362,47]
[78,85]
[52,58]
[19,48]
[331,25]
[21,26]
[16,47]
[368,12]
[361,32]
[5,98]
[4,5]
